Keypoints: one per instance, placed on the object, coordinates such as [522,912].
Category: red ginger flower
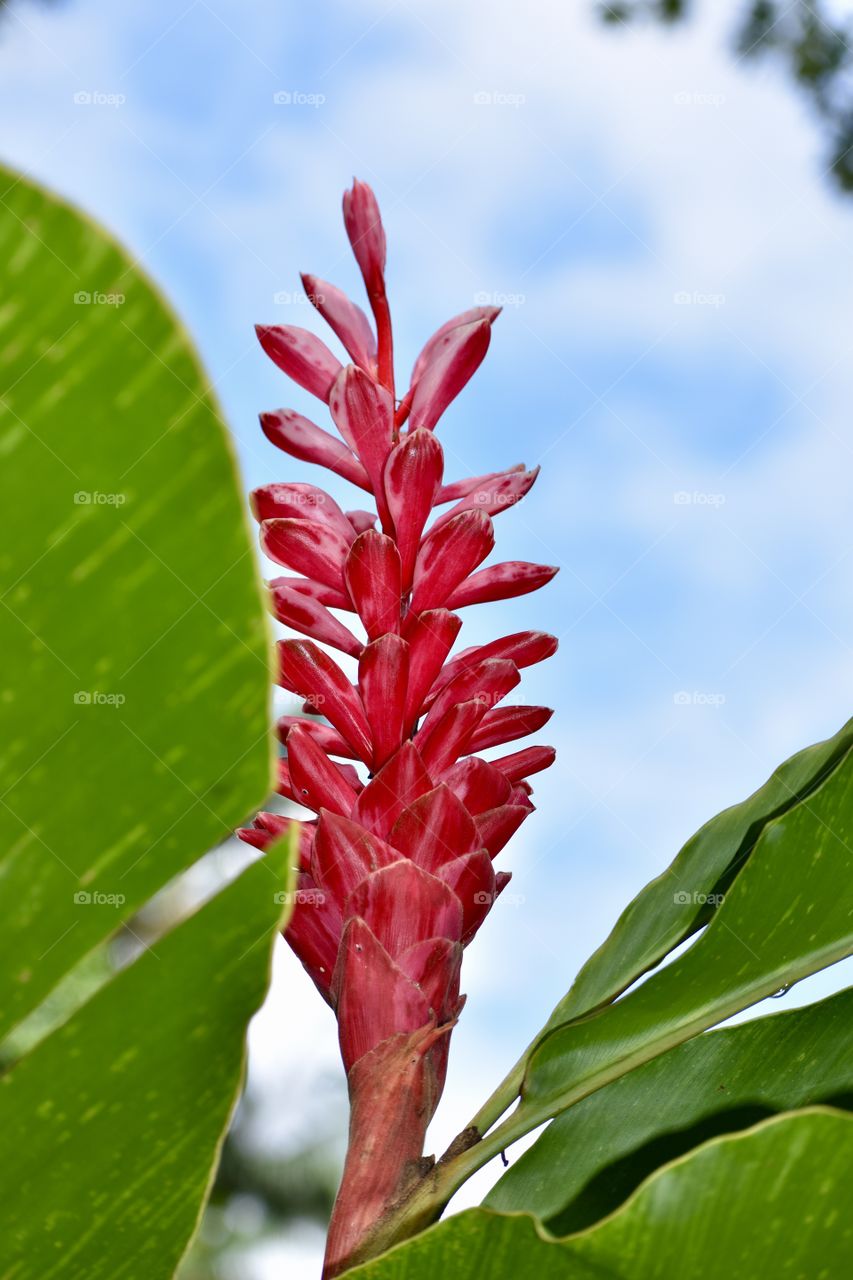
[397,869]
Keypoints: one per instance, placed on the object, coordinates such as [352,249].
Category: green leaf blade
[770,1201]
[782,919]
[672,906]
[134,718]
[595,1154]
[111,1125]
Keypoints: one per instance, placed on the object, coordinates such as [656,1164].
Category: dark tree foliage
[813,48]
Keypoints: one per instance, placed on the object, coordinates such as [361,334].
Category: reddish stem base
[393,1094]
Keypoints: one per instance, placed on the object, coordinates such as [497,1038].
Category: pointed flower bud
[366,234]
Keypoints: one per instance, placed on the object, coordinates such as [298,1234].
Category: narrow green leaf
[770,1201]
[112,1124]
[134,702]
[785,916]
[592,1157]
[678,902]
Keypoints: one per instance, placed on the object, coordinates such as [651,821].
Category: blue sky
[677,280]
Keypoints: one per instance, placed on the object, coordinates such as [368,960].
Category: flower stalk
[397,865]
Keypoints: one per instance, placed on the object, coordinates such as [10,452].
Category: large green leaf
[135,734]
[112,1124]
[133,716]
[679,902]
[770,1201]
[785,916]
[594,1155]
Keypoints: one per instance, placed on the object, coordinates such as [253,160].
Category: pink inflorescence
[396,871]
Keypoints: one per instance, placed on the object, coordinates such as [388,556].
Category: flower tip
[251,835]
[360,199]
[311,283]
[550,644]
[265,830]
[364,229]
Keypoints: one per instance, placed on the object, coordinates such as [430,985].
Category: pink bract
[396,871]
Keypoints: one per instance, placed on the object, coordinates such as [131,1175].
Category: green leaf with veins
[134,721]
[111,1126]
[590,1159]
[134,735]
[783,918]
[771,1201]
